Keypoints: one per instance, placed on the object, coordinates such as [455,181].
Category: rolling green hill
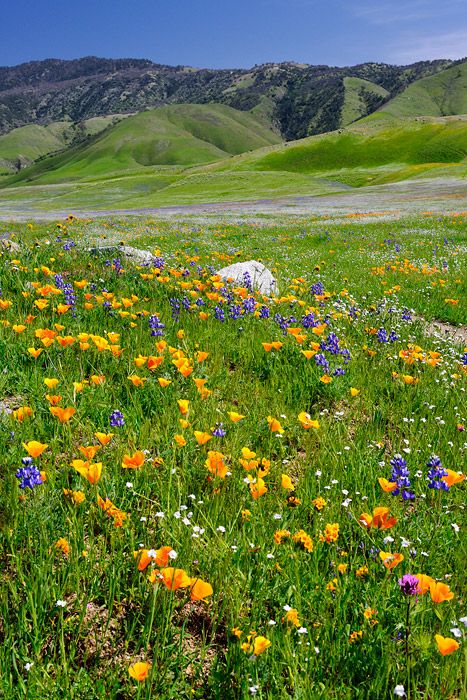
[438,95]
[359,98]
[22,146]
[408,142]
[175,135]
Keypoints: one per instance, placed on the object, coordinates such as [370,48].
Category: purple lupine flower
[219,313]
[321,361]
[249,305]
[406,315]
[175,306]
[317,288]
[29,474]
[117,419]
[436,473]
[117,265]
[382,336]
[156,326]
[219,430]
[409,584]
[247,281]
[400,475]
[264,312]
[235,311]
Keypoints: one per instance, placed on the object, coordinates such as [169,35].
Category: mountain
[299,99]
[173,135]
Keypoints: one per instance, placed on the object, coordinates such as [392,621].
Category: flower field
[210,493]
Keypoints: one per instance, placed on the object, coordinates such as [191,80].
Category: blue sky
[217,33]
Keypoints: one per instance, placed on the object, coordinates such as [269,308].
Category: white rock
[261,277]
[137,255]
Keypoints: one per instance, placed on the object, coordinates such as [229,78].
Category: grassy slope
[30,142]
[172,135]
[439,95]
[354,106]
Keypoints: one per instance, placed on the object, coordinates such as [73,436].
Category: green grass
[403,142]
[28,143]
[354,106]
[110,615]
[439,95]
[374,152]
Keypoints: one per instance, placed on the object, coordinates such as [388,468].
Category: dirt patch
[446,330]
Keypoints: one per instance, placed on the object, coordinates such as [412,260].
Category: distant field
[382,151]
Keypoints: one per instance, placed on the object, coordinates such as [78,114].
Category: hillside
[366,152]
[175,135]
[360,98]
[299,99]
[22,146]
[439,95]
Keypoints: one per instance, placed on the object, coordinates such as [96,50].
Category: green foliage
[371,270]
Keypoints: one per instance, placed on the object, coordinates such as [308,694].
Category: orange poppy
[63,414]
[91,472]
[89,452]
[452,477]
[134,461]
[34,448]
[175,578]
[446,645]
[139,671]
[274,425]
[215,464]
[199,589]
[391,560]
[424,583]
[202,438]
[104,438]
[380,519]
[440,592]
[386,485]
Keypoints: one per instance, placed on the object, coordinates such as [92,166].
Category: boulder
[137,255]
[9,245]
[261,278]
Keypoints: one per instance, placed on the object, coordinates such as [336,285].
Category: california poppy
[306,421]
[274,425]
[91,472]
[440,592]
[134,461]
[63,414]
[34,448]
[139,670]
[199,589]
[391,560]
[446,645]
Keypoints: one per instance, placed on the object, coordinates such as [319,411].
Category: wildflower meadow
[207,492]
